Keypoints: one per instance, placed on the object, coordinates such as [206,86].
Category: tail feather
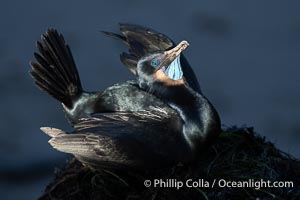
[55,71]
[38,70]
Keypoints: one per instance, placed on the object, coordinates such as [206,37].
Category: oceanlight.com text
[201,183]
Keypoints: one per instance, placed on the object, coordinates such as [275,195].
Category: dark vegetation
[239,154]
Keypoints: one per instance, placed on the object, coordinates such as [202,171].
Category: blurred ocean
[246,55]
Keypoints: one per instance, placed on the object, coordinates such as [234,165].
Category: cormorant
[55,72]
[157,121]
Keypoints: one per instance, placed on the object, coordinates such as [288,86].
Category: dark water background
[246,55]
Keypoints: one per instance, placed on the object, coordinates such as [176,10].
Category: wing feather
[124,139]
[141,41]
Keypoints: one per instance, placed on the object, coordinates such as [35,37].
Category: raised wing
[142,40]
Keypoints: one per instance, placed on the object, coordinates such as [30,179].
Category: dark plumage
[122,140]
[141,41]
[149,123]
[55,72]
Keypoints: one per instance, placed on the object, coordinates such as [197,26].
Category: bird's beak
[172,54]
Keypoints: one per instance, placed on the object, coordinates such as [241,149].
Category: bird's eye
[154,63]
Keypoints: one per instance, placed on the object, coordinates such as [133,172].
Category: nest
[239,155]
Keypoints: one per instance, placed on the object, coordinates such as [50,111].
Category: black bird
[133,128]
[55,72]
[145,139]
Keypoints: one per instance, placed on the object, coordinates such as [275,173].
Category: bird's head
[161,66]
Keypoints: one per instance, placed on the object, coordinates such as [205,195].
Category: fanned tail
[55,71]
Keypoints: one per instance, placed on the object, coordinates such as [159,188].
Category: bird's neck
[199,117]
